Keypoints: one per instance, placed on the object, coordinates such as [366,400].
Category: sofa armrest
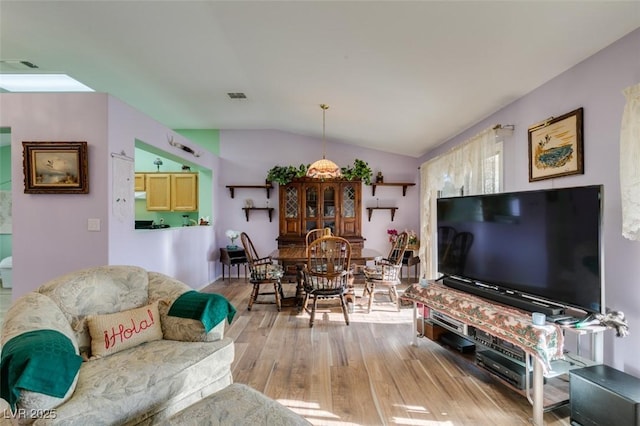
[32,312]
[186,329]
[166,290]
[35,311]
[162,286]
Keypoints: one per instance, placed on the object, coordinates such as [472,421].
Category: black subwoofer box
[603,396]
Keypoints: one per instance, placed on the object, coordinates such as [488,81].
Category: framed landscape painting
[556,147]
[55,168]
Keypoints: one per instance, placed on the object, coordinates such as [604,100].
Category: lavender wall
[50,234]
[246,156]
[183,253]
[596,84]
[50,230]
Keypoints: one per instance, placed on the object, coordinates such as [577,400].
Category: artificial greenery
[359,170]
[282,175]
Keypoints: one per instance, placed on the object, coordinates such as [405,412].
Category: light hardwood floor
[366,373]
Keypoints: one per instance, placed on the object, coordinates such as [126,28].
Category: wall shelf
[267,186]
[404,186]
[393,211]
[269,210]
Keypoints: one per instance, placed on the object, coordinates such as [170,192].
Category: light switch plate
[93,225]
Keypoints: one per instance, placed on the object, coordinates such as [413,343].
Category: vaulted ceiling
[398,76]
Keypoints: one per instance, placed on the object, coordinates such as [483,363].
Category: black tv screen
[545,244]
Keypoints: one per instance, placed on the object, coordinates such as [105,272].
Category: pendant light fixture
[323,169]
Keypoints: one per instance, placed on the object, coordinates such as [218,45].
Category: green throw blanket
[42,361]
[209,308]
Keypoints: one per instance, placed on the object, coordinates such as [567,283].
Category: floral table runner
[544,343]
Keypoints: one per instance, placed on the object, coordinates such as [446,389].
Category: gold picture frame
[556,147]
[55,167]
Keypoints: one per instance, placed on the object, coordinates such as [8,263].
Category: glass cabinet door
[290,210]
[350,207]
[291,203]
[306,204]
[311,206]
[348,201]
[329,206]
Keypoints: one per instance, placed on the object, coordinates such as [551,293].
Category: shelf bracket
[267,187]
[269,211]
[392,209]
[404,186]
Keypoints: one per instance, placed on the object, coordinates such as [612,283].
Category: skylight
[41,83]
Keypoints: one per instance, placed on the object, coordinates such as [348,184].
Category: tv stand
[505,298]
[541,347]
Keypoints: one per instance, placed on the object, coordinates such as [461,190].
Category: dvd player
[498,344]
[448,322]
[503,367]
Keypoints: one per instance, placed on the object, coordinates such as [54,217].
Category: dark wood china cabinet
[308,203]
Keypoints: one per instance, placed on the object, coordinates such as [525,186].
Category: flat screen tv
[543,245]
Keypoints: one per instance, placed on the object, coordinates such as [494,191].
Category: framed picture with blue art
[556,147]
[55,167]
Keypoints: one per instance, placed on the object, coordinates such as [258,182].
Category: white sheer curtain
[630,164]
[473,167]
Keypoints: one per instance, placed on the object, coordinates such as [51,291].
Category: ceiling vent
[237,95]
[18,65]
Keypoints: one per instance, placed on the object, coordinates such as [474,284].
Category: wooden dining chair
[263,273]
[325,276]
[314,234]
[384,276]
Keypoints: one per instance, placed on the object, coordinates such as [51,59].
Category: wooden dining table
[294,258]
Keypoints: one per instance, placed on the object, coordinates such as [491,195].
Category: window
[473,167]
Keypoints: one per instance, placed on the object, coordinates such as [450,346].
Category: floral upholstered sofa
[112,345]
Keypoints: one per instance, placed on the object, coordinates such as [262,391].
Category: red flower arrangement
[393,236]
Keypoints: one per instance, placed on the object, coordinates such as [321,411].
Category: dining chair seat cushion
[379,273]
[267,272]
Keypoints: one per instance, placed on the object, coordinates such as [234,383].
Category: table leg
[537,387]
[299,289]
[597,347]
[538,398]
